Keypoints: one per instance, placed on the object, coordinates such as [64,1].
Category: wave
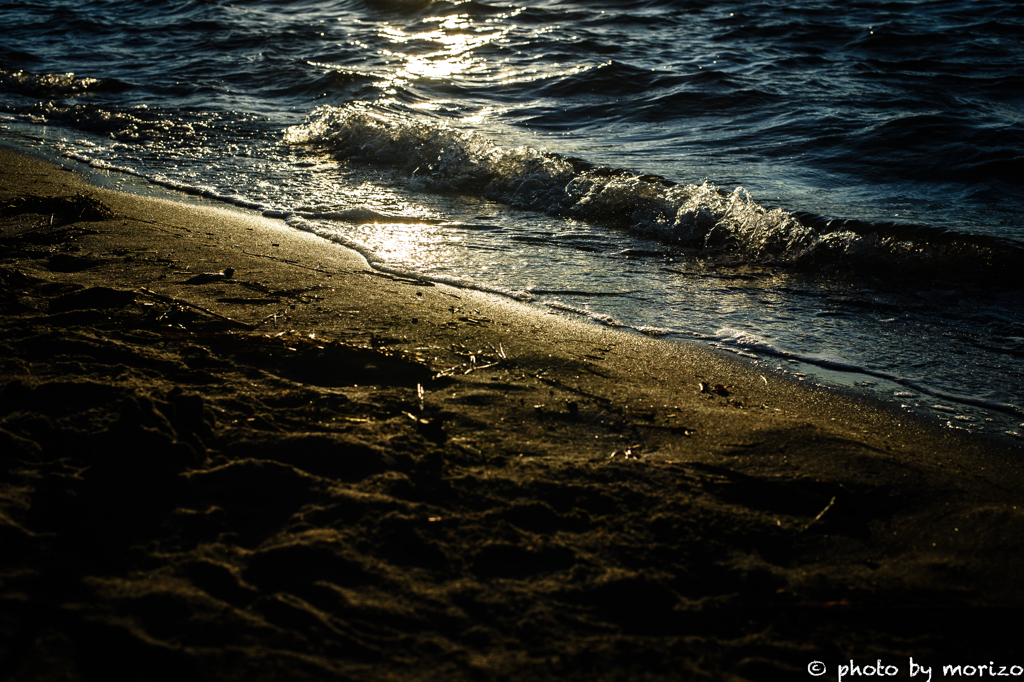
[338,81]
[138,124]
[50,85]
[612,78]
[439,158]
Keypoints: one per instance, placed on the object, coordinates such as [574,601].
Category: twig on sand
[155,223]
[207,277]
[288,261]
[446,373]
[178,301]
[287,293]
[271,316]
[820,514]
[476,367]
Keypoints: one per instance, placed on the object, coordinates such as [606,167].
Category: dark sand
[265,478]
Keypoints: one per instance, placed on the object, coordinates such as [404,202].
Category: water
[830,189]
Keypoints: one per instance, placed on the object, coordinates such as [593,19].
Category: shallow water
[833,189]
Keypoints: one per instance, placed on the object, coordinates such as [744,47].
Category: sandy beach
[298,468]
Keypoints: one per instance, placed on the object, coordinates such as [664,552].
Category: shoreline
[298,244]
[389,479]
[845,381]
[831,381]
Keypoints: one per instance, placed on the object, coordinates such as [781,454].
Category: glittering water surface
[830,188]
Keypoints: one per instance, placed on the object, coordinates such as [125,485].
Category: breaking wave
[439,158]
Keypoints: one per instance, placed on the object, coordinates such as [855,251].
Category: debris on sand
[207,277]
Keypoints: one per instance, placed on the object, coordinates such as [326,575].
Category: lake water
[832,189]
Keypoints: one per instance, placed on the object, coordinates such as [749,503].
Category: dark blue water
[835,189]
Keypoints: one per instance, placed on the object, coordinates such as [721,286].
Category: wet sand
[311,470]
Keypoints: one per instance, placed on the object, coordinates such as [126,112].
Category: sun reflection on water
[453,42]
[425,66]
[421,246]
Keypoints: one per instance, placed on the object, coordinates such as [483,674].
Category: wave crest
[49,85]
[703,216]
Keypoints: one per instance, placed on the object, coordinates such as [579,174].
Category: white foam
[441,158]
[608,320]
[100,164]
[596,317]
